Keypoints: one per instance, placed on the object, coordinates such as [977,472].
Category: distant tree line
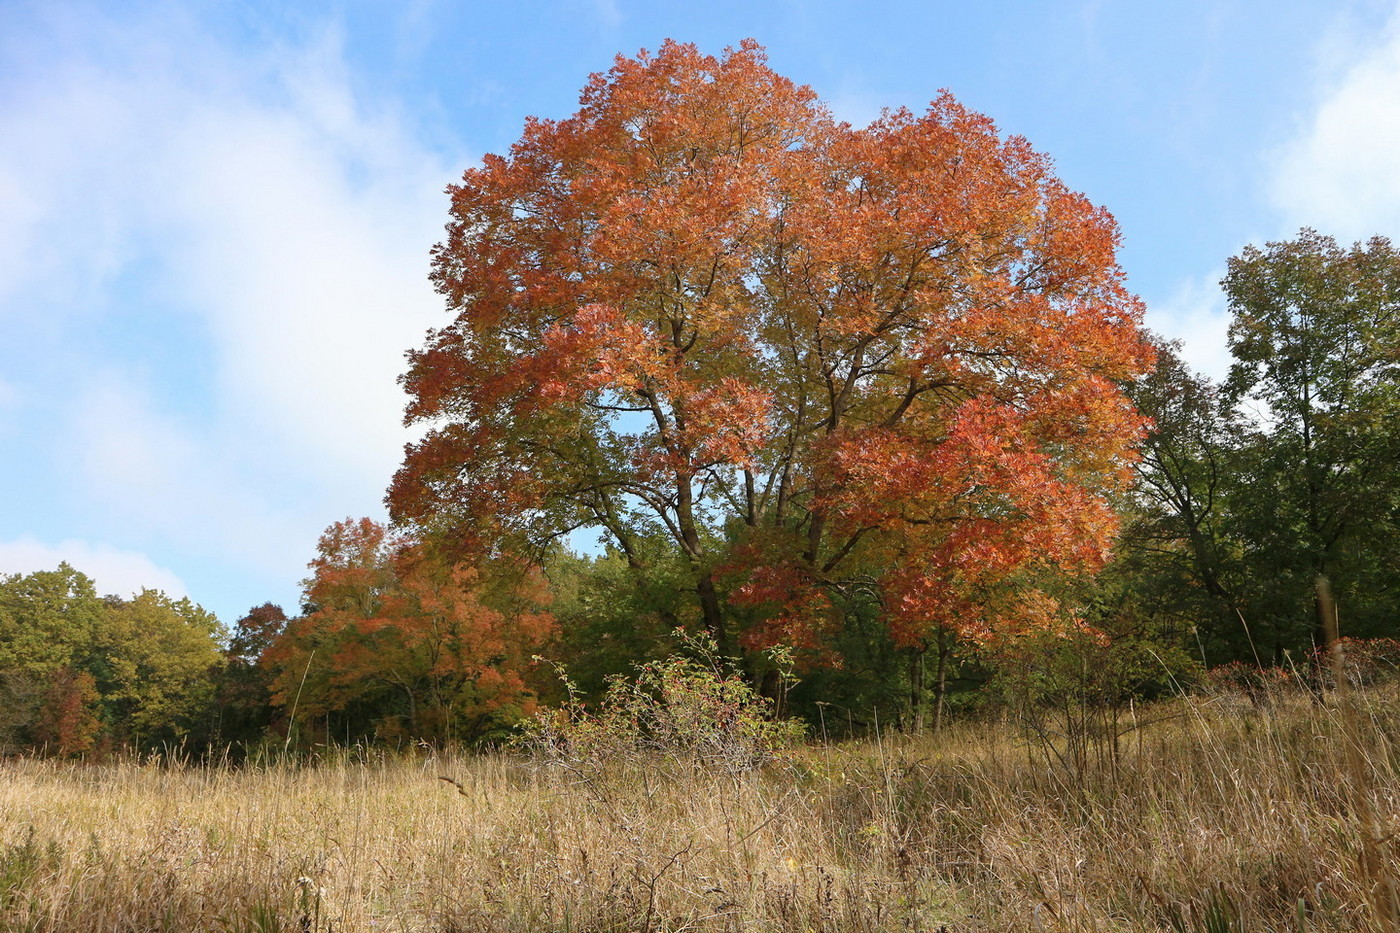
[79,672]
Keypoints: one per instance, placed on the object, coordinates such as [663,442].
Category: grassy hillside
[1217,813]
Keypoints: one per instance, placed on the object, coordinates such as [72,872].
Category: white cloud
[297,229]
[312,285]
[1341,171]
[286,217]
[114,571]
[1196,315]
[172,482]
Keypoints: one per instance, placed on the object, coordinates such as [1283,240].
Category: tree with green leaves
[48,619]
[1246,493]
[76,667]
[158,660]
[1316,341]
[50,624]
[1177,563]
[244,688]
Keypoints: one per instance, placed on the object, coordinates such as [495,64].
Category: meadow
[1228,812]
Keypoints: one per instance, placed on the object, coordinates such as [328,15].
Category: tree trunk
[941,679]
[711,612]
[916,689]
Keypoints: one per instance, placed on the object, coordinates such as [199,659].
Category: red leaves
[389,616]
[67,724]
[701,305]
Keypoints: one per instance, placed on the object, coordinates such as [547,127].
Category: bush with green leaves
[1070,689]
[694,706]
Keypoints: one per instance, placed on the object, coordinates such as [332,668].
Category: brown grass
[1221,815]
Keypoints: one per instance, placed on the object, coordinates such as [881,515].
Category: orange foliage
[392,627]
[810,354]
[68,723]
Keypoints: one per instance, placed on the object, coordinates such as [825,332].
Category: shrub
[1070,689]
[1240,678]
[694,706]
[1365,661]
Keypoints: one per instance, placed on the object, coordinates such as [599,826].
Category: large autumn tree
[819,363]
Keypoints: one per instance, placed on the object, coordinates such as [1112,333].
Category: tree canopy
[823,365]
[396,642]
[1287,471]
[1316,341]
[76,667]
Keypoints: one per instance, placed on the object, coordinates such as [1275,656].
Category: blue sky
[215,217]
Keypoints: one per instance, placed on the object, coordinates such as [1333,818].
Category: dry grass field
[1220,815]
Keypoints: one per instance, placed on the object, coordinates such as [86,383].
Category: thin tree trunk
[941,679]
[916,689]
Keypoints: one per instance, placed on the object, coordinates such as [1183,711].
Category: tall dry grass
[1218,814]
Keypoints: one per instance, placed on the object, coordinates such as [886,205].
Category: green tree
[245,711]
[1316,341]
[48,619]
[1177,562]
[159,658]
[1247,492]
[73,665]
[50,623]
[612,616]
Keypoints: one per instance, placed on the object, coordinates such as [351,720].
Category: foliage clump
[81,672]
[401,645]
[1363,662]
[694,706]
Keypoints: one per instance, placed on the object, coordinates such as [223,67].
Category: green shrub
[693,706]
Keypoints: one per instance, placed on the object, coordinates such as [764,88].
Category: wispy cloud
[1341,172]
[254,195]
[114,571]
